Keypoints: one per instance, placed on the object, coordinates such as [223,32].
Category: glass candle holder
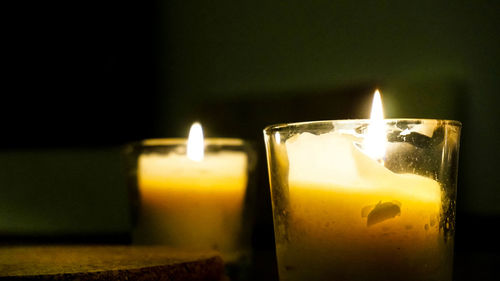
[340,214]
[194,205]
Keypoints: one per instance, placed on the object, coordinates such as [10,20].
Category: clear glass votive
[341,214]
[193,205]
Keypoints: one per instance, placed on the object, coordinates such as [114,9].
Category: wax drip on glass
[374,144]
[195,144]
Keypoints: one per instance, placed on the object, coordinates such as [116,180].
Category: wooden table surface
[108,263]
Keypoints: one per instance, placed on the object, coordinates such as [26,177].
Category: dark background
[82,79]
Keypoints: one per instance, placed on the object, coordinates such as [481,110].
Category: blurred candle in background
[192,193]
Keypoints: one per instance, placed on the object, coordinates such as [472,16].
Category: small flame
[195,145]
[376,139]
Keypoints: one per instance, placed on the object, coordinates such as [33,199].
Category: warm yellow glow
[195,145]
[376,139]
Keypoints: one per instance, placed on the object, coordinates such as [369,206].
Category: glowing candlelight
[192,198]
[375,141]
[340,214]
[195,145]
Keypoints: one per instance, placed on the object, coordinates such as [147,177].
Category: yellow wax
[350,216]
[189,204]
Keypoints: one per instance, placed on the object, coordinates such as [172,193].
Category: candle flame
[376,139]
[195,144]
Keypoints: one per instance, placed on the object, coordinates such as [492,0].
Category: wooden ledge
[108,263]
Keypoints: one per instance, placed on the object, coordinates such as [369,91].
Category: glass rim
[278,126]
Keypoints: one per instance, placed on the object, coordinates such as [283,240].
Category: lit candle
[353,190]
[191,199]
[348,217]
